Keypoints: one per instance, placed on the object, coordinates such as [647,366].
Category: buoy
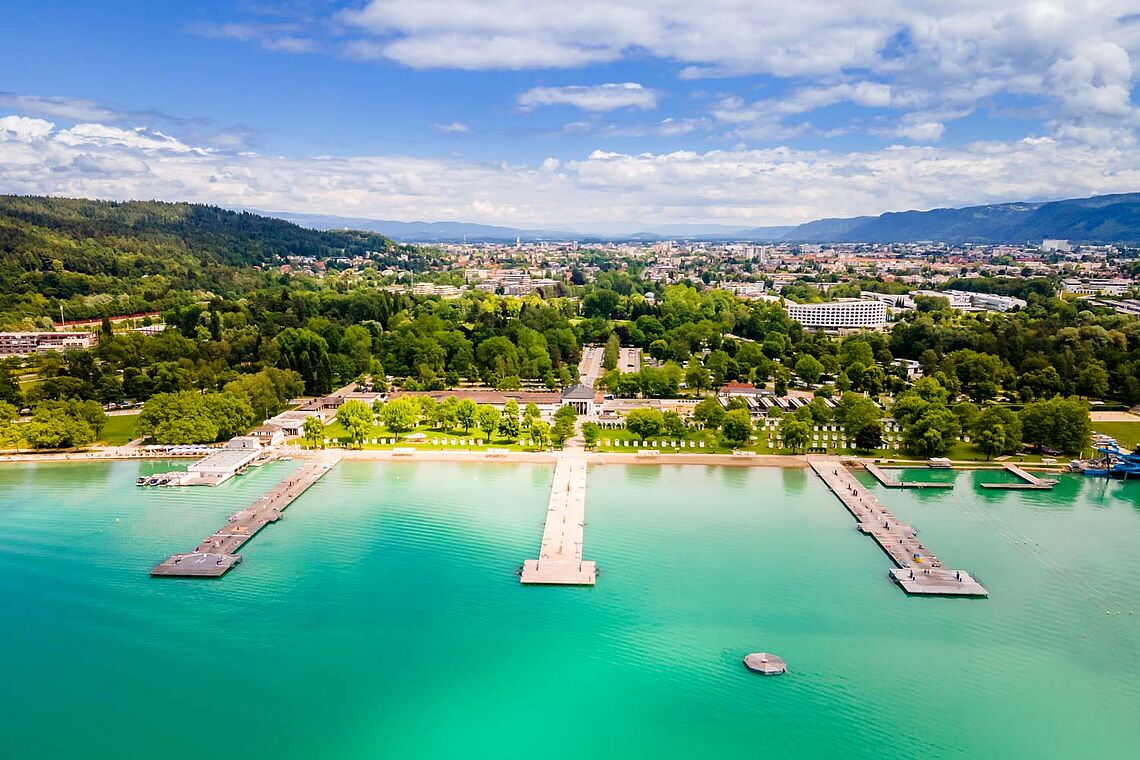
[765,664]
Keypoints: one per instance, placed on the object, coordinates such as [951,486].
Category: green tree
[809,369]
[612,352]
[1059,423]
[466,413]
[563,429]
[590,433]
[644,422]
[795,433]
[356,419]
[540,433]
[530,414]
[447,414]
[314,431]
[488,420]
[709,413]
[997,431]
[673,425]
[57,425]
[307,354]
[737,427]
[401,415]
[509,424]
[696,376]
[933,433]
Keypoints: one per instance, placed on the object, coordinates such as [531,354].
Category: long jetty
[889,481]
[217,553]
[560,560]
[1030,482]
[918,570]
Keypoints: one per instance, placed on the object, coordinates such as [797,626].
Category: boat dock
[217,553]
[1030,481]
[919,571]
[560,560]
[889,482]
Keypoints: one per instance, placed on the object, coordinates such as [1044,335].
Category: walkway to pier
[1030,481]
[560,554]
[218,553]
[889,482]
[897,539]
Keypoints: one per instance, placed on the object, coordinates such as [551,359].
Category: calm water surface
[382,618]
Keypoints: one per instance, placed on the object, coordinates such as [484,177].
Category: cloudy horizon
[541,115]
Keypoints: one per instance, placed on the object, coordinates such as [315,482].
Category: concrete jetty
[560,560]
[918,570]
[1030,482]
[890,482]
[218,552]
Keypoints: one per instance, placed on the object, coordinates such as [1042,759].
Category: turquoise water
[382,618]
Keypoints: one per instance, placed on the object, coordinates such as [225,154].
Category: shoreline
[509,457]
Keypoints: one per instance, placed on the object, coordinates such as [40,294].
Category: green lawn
[336,432]
[120,429]
[1127,434]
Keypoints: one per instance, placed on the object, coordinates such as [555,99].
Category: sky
[588,115]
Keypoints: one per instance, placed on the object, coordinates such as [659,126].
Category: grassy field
[119,429]
[335,432]
[1127,434]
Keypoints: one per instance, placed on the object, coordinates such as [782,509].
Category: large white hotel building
[847,314]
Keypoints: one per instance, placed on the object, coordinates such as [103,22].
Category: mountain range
[1099,219]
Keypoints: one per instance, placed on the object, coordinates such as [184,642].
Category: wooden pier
[1030,482]
[919,571]
[218,552]
[889,482]
[560,560]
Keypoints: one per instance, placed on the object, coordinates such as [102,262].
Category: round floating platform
[765,664]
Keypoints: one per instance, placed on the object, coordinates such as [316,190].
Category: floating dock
[1030,482]
[889,482]
[924,575]
[560,560]
[217,553]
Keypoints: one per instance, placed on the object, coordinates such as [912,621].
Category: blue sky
[596,114]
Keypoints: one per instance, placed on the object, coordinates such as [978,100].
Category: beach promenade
[560,553]
[217,553]
[918,570]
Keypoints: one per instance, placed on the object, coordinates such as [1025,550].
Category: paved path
[560,554]
[218,552]
[629,360]
[590,368]
[925,575]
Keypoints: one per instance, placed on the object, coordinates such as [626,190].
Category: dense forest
[99,258]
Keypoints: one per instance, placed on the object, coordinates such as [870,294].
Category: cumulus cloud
[913,55]
[770,186]
[597,98]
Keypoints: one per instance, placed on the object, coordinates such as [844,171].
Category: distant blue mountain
[1099,219]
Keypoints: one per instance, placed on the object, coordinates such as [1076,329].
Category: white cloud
[597,98]
[454,128]
[912,54]
[282,38]
[771,186]
[72,109]
[23,129]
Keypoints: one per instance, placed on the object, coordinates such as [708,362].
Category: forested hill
[1100,219]
[100,257]
[210,233]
